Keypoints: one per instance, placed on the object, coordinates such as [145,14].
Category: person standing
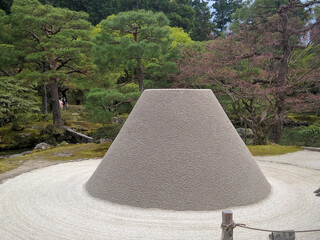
[60,103]
[65,103]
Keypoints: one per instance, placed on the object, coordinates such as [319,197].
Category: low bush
[308,135]
[109,131]
[303,136]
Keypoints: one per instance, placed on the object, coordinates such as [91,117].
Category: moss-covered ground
[268,150]
[7,164]
[61,153]
[311,118]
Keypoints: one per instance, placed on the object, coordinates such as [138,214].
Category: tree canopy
[136,43]
[222,12]
[203,26]
[266,67]
[52,42]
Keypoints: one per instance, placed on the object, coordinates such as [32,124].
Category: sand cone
[178,150]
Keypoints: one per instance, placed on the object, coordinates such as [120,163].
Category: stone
[78,137]
[105,140]
[42,145]
[26,152]
[242,132]
[63,154]
[15,155]
[64,143]
[117,120]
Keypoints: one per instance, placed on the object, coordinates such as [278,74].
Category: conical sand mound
[178,150]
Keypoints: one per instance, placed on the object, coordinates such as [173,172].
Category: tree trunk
[140,76]
[44,99]
[57,120]
[259,136]
[281,108]
[15,124]
[276,130]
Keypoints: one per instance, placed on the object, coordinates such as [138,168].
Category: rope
[234,225]
[226,227]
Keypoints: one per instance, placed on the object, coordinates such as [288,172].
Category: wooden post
[227,220]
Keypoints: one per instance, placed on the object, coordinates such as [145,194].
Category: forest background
[261,58]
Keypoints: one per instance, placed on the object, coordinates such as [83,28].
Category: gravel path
[305,158]
[51,203]
[27,167]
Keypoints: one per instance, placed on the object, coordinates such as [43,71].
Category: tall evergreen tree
[16,95]
[5,5]
[222,11]
[136,42]
[179,12]
[203,26]
[53,43]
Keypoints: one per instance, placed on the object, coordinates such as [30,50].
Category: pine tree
[222,12]
[203,26]
[137,42]
[52,42]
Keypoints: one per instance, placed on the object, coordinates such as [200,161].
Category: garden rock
[42,145]
[117,120]
[105,140]
[64,154]
[242,132]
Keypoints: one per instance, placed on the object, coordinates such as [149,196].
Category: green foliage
[53,46]
[5,5]
[138,43]
[9,55]
[299,117]
[107,132]
[26,138]
[179,36]
[264,9]
[16,98]
[222,12]
[180,12]
[50,38]
[203,26]
[306,135]
[101,104]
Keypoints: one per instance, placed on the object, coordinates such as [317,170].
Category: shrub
[109,131]
[310,135]
[303,135]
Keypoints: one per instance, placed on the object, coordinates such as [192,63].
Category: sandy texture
[26,167]
[52,203]
[307,159]
[178,150]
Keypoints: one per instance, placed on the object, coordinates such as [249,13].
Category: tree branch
[35,36]
[74,70]
[5,72]
[63,63]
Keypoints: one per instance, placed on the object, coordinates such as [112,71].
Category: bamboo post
[227,227]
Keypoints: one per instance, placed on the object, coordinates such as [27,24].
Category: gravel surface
[305,158]
[52,203]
